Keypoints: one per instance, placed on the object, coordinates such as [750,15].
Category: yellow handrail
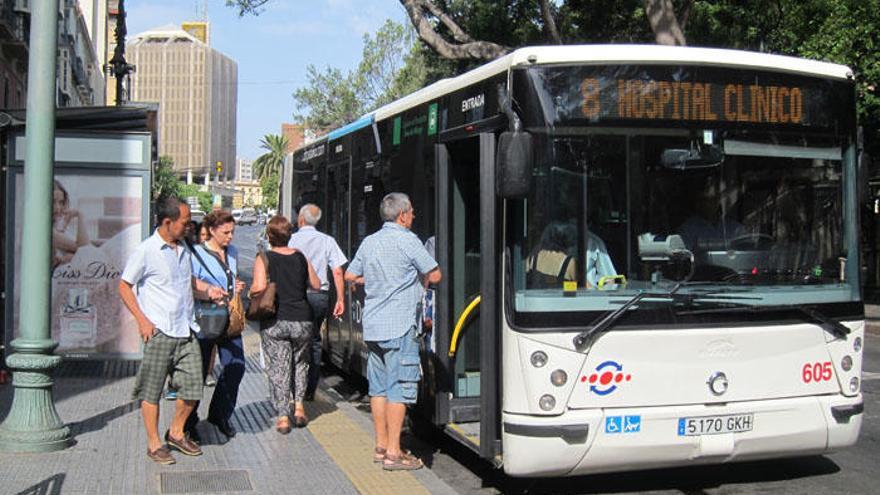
[460,324]
[612,278]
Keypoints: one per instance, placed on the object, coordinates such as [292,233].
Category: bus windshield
[756,213]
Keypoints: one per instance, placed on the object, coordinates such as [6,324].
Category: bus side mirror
[514,164]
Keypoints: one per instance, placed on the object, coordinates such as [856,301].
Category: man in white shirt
[160,268]
[323,252]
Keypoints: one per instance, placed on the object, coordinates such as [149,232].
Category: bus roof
[602,54]
[613,54]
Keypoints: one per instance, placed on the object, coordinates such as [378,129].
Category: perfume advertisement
[97,223]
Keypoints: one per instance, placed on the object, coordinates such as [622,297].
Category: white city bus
[650,254]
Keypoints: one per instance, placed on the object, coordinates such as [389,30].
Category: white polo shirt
[162,276]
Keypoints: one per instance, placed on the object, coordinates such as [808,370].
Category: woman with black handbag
[286,335]
[216,261]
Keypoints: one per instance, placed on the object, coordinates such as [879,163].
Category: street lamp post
[33,425]
[117,67]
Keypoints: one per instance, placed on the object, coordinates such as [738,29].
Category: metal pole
[33,425]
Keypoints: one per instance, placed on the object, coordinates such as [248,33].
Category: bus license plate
[715,425]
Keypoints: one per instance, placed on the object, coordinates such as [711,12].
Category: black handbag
[213,319]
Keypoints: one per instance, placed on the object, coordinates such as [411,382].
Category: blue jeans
[394,369]
[320,303]
[231,355]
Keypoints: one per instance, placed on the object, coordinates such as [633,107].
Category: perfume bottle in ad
[79,328]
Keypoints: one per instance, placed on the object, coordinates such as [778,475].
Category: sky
[273,49]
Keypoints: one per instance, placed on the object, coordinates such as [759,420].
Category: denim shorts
[393,368]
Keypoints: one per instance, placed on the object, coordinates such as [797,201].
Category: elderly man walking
[161,270]
[389,263]
[323,252]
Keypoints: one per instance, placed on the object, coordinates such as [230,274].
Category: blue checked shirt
[390,262]
[321,250]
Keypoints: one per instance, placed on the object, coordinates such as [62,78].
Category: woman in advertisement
[216,261]
[68,227]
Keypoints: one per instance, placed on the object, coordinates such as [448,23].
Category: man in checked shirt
[389,264]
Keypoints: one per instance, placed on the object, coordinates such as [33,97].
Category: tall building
[80,71]
[197,91]
[244,170]
[80,75]
[295,134]
[14,36]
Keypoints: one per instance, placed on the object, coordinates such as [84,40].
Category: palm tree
[271,161]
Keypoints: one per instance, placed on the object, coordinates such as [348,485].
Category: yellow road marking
[352,449]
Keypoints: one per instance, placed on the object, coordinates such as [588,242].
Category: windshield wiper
[583,338]
[827,323]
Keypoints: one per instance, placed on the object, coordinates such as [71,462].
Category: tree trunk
[465,46]
[549,22]
[661,16]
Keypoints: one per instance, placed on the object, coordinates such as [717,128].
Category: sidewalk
[332,455]
[872,318]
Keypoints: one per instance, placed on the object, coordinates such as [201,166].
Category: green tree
[391,67]
[270,187]
[244,7]
[328,100]
[165,181]
[204,198]
[271,161]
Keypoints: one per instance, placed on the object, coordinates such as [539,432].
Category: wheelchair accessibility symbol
[623,424]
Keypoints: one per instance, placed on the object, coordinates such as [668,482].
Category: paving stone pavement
[109,455]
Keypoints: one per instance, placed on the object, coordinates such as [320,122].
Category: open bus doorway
[465,299]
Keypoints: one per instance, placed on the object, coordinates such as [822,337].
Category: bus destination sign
[700,101]
[664,95]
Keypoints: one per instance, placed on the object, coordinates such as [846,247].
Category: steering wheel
[752,242]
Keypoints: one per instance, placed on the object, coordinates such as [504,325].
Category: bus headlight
[558,378]
[547,402]
[539,359]
[853,385]
[857,344]
[846,363]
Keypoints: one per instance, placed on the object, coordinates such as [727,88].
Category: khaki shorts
[164,356]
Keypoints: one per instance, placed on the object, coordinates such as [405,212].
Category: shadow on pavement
[49,486]
[689,480]
[99,421]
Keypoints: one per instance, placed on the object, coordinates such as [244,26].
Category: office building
[196,87]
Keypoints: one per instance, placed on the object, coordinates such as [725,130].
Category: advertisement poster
[97,223]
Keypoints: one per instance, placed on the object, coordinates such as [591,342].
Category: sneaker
[171,395]
[161,455]
[185,445]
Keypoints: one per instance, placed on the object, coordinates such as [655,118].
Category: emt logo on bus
[701,101]
[606,378]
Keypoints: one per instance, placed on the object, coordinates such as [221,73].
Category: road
[850,471]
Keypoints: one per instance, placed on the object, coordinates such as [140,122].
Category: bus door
[336,216]
[465,325]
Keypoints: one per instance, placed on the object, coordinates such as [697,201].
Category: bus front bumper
[589,441]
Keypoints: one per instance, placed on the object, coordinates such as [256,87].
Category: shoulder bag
[213,319]
[262,305]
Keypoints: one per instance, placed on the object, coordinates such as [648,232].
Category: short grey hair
[393,204]
[310,213]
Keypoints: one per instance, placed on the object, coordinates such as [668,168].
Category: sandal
[379,454]
[300,421]
[403,462]
[282,425]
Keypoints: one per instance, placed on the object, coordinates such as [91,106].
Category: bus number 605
[817,372]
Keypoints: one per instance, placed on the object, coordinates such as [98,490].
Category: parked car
[248,217]
[197,215]
[236,215]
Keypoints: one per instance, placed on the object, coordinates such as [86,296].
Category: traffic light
[219,166]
